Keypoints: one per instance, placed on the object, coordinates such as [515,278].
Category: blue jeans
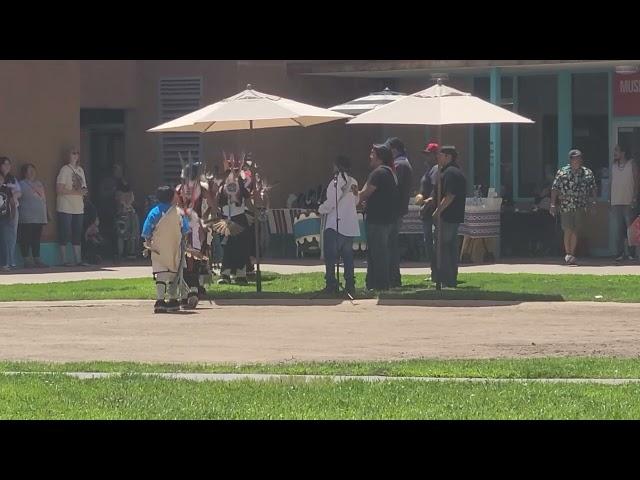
[378,256]
[337,245]
[447,272]
[69,228]
[622,217]
[8,236]
[395,280]
[216,248]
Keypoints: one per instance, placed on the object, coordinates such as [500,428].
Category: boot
[160,307]
[173,305]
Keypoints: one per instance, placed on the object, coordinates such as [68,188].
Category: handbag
[633,233]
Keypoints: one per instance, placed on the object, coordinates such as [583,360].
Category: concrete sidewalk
[274,377]
[542,266]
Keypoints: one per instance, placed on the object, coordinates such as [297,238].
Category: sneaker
[619,258]
[566,259]
[5,268]
[160,306]
[39,264]
[572,261]
[28,263]
[173,306]
[224,280]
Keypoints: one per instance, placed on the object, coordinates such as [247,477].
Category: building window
[538,142]
[178,96]
[590,121]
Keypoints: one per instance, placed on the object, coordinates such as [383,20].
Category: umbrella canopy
[371,101]
[249,110]
[439,105]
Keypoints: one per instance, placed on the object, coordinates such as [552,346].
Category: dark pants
[337,245]
[235,251]
[427,228]
[378,256]
[69,228]
[395,280]
[29,235]
[622,217]
[447,271]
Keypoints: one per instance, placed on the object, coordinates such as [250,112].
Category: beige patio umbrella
[438,105]
[250,110]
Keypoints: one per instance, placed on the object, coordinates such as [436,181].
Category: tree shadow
[466,297]
[259,299]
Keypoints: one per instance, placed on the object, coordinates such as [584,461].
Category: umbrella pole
[256,219]
[439,222]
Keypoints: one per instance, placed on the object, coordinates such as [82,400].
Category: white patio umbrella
[250,110]
[438,105]
[371,101]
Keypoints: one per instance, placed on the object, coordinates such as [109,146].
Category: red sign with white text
[626,95]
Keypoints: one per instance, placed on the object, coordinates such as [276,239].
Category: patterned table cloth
[481,221]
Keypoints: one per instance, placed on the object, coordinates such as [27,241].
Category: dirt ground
[321,331]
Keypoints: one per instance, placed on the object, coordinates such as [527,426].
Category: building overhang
[428,68]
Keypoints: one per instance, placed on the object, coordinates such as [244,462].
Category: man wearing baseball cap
[575,184]
[404,173]
[427,184]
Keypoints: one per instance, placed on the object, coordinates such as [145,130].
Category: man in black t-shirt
[427,186]
[380,194]
[451,213]
[404,174]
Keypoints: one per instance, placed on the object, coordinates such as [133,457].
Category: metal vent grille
[178,96]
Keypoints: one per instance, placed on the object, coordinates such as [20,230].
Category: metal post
[256,217]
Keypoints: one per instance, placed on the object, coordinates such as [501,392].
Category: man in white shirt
[624,191]
[341,225]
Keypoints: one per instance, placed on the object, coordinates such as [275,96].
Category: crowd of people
[113,228]
[385,199]
[110,230]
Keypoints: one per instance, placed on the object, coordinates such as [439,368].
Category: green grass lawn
[133,396]
[553,367]
[474,286]
[32,396]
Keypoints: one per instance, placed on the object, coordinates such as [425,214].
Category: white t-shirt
[71,178]
[347,214]
[622,181]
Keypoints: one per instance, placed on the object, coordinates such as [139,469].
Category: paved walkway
[545,266]
[261,377]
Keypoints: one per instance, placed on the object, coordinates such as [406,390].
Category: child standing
[162,231]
